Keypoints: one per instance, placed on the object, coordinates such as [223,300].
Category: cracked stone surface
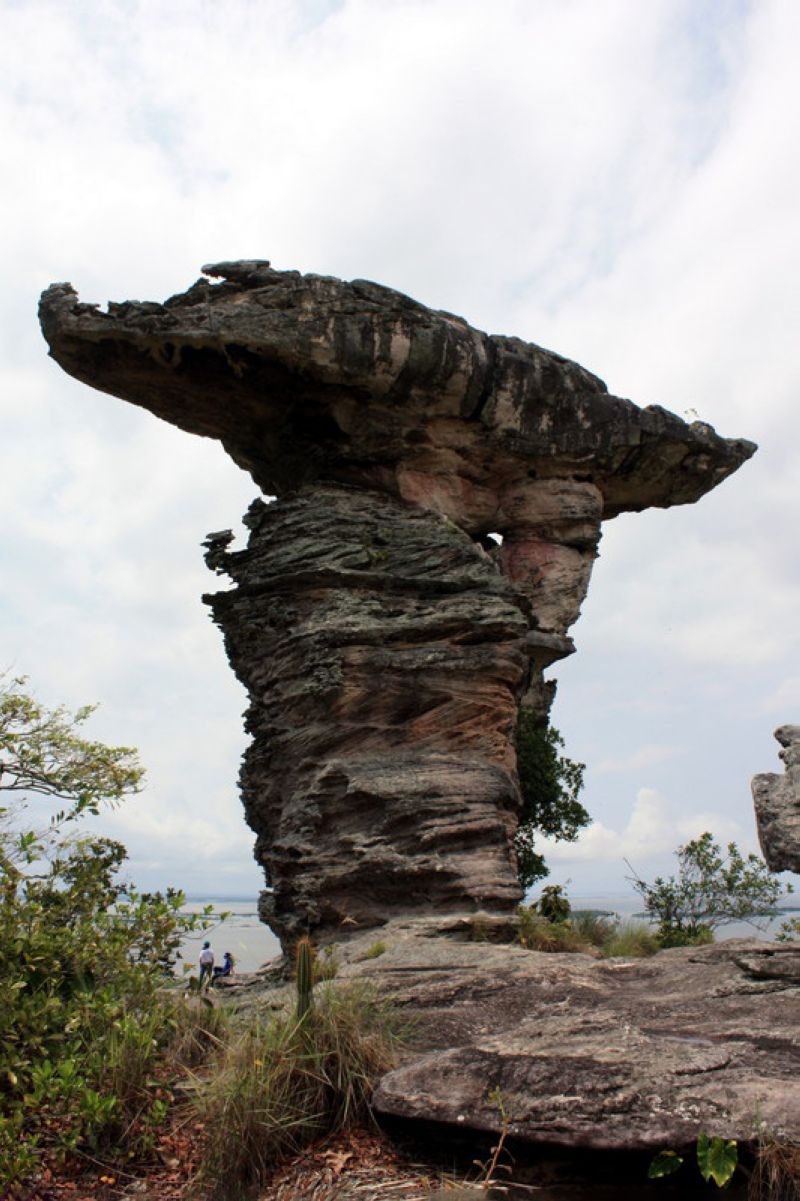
[777,805]
[384,636]
[640,1054]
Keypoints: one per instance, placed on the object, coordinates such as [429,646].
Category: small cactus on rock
[304,976]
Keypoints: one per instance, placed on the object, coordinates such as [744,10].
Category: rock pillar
[777,804]
[384,654]
[384,637]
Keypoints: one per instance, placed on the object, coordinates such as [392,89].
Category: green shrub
[549,784]
[553,904]
[377,949]
[789,930]
[83,957]
[674,936]
[712,887]
[287,1081]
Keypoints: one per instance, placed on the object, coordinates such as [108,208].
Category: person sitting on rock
[225,970]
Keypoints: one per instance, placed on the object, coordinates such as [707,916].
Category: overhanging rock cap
[304,377]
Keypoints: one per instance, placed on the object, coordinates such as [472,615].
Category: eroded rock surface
[386,652]
[385,639]
[641,1054]
[777,804]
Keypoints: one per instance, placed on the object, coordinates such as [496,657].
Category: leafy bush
[83,957]
[549,783]
[711,889]
[789,930]
[553,904]
[289,1080]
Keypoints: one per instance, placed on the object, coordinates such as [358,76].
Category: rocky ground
[607,1054]
[597,1064]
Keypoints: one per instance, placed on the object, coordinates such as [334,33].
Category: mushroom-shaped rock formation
[777,805]
[385,639]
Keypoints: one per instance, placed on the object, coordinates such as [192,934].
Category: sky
[612,179]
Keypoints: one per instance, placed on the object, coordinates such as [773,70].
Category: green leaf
[717,1158]
[664,1164]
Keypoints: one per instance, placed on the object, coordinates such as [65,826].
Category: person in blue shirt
[226,969]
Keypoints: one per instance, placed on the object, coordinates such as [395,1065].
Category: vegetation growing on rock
[96,1036]
[550,783]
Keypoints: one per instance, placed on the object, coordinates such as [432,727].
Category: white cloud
[785,699]
[644,756]
[613,179]
[652,829]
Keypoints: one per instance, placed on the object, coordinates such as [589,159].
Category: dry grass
[538,934]
[200,1028]
[631,940]
[776,1172]
[286,1082]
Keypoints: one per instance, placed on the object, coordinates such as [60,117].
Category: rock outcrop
[386,653]
[636,1054]
[777,805]
[385,637]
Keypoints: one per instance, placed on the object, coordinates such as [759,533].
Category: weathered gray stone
[777,804]
[640,1054]
[385,640]
[386,652]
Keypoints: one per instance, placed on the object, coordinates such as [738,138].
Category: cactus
[304,976]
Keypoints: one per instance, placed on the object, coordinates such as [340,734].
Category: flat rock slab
[635,1054]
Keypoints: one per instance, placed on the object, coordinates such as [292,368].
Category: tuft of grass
[776,1172]
[199,1030]
[596,929]
[376,950]
[633,940]
[586,932]
[286,1081]
[538,934]
[326,964]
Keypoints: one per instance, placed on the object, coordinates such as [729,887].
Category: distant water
[252,943]
[246,937]
[629,905]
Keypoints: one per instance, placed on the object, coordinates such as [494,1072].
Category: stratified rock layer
[384,653]
[777,804]
[385,639]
